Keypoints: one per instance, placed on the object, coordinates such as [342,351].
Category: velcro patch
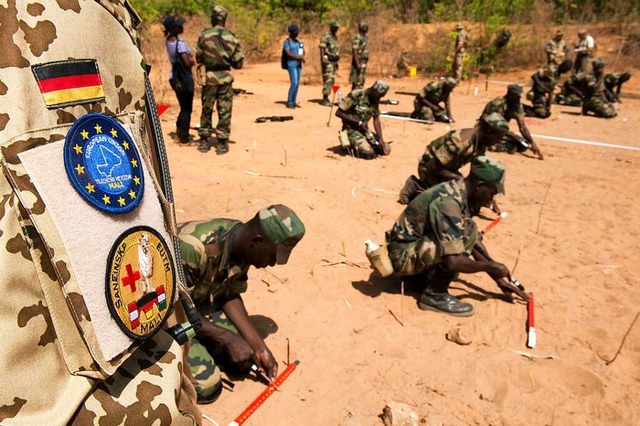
[103,164]
[140,282]
[66,83]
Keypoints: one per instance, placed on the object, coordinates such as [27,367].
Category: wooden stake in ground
[544,201]
[610,361]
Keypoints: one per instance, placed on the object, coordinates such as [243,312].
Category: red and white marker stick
[273,386]
[531,335]
[494,222]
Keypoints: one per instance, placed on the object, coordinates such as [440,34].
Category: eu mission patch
[66,83]
[103,164]
[140,282]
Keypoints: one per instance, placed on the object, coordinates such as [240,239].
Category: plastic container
[343,137]
[339,95]
[378,256]
[411,72]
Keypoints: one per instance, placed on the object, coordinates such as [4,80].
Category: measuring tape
[264,395]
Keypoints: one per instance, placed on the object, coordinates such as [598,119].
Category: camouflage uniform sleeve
[323,42]
[375,111]
[193,258]
[238,54]
[238,286]
[519,111]
[448,224]
[347,103]
[199,52]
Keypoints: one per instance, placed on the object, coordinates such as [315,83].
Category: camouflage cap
[381,87]
[514,89]
[334,24]
[451,82]
[490,170]
[219,12]
[282,226]
[459,26]
[494,122]
[363,25]
[559,33]
[598,64]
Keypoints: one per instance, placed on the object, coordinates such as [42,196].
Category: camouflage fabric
[462,39]
[220,96]
[54,370]
[543,84]
[436,223]
[571,91]
[502,107]
[452,151]
[329,43]
[205,247]
[556,51]
[360,46]
[358,106]
[360,145]
[594,100]
[613,83]
[205,372]
[218,50]
[435,93]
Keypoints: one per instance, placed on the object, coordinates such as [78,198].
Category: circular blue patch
[103,164]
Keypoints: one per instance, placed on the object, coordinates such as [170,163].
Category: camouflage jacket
[360,45]
[502,107]
[218,50]
[556,51]
[329,43]
[358,106]
[440,214]
[432,92]
[612,79]
[548,83]
[64,358]
[592,86]
[206,249]
[452,150]
[462,39]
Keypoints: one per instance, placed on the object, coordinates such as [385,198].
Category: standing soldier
[329,58]
[556,49]
[84,183]
[462,40]
[585,48]
[510,107]
[426,104]
[218,50]
[359,57]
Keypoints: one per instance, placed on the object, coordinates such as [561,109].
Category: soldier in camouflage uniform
[613,84]
[217,255]
[435,236]
[443,157]
[57,368]
[544,82]
[355,111]
[218,50]
[556,49]
[571,91]
[462,40]
[593,92]
[329,58]
[426,104]
[359,57]
[509,107]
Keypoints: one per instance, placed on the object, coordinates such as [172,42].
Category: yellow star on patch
[125,144]
[132,194]
[114,133]
[106,199]
[79,169]
[98,128]
[85,134]
[134,162]
[78,149]
[121,201]
[90,188]
[136,179]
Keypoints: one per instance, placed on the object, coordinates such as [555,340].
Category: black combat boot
[223,146]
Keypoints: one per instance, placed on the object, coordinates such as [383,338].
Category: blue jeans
[295,70]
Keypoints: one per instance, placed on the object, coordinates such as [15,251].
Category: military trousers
[220,95]
[358,76]
[328,77]
[360,145]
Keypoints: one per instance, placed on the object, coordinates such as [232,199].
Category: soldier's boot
[436,297]
[325,101]
[203,145]
[223,146]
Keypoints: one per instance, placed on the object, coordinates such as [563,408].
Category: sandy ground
[572,230]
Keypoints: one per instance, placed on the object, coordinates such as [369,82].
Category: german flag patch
[67,83]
